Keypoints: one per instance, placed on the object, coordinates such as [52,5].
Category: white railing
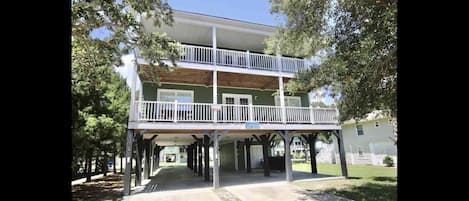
[292,65]
[325,115]
[232,58]
[263,61]
[240,59]
[202,112]
[164,111]
[298,114]
[233,113]
[268,114]
[196,54]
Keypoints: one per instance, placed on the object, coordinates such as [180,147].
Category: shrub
[388,161]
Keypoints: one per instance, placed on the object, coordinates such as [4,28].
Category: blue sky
[257,11]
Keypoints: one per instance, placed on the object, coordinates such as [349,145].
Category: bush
[388,161]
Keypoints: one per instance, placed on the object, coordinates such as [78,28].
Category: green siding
[203,94]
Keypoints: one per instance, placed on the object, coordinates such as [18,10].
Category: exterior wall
[170,150]
[203,94]
[227,157]
[375,144]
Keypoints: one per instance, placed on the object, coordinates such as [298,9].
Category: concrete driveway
[180,183]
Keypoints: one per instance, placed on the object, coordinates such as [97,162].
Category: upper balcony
[240,59]
[214,43]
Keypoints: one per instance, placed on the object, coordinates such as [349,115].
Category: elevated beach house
[225,94]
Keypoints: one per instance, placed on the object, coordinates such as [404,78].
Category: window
[359,130]
[292,101]
[170,95]
[182,96]
[377,124]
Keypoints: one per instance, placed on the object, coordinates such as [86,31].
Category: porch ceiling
[175,139]
[201,77]
[184,137]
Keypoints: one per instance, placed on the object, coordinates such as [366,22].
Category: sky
[257,11]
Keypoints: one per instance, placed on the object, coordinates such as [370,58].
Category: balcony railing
[203,112]
[204,55]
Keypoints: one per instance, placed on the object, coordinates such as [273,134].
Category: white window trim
[356,129]
[248,96]
[287,97]
[174,90]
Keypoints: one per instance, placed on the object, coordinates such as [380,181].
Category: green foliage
[388,161]
[122,20]
[359,38]
[100,97]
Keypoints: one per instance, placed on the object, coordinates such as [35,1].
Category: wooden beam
[195,138]
[152,138]
[272,138]
[206,158]
[343,162]
[195,158]
[247,142]
[265,154]
[146,170]
[257,138]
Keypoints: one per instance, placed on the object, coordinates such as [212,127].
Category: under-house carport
[244,157]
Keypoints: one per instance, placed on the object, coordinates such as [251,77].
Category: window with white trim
[290,101]
[359,129]
[182,96]
[170,95]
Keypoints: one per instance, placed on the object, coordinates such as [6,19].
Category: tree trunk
[121,164]
[114,163]
[86,166]
[88,161]
[104,164]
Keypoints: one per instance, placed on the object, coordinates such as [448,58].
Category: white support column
[216,178]
[140,94]
[311,114]
[287,136]
[133,71]
[282,99]
[248,62]
[251,112]
[214,45]
[215,100]
[214,79]
[279,62]
[175,114]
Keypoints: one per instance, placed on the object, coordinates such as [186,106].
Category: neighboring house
[366,142]
[221,95]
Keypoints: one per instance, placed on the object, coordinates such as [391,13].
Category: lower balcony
[157,111]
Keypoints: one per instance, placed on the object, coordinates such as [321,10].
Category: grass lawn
[366,183]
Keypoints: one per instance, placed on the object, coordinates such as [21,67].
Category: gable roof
[375,115]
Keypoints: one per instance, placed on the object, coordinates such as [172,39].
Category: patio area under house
[224,101]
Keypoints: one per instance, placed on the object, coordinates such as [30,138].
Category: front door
[236,107]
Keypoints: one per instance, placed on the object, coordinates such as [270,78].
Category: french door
[236,107]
